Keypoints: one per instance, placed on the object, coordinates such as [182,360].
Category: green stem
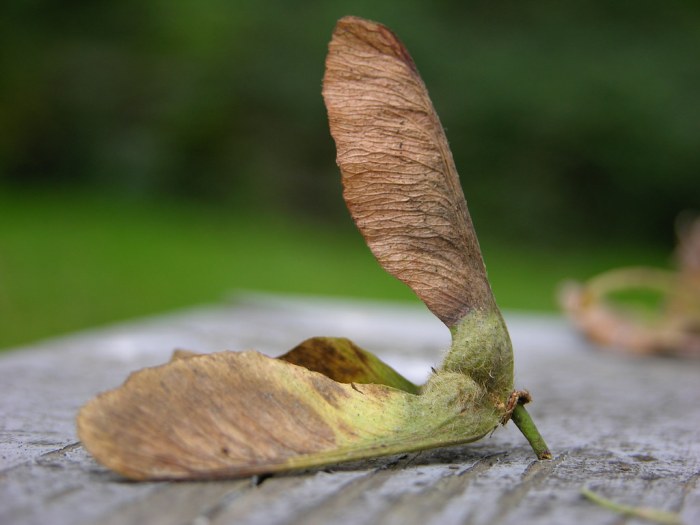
[527,426]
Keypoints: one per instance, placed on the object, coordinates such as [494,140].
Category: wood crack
[435,496]
[533,475]
[42,458]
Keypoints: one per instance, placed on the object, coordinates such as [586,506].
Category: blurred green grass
[69,261]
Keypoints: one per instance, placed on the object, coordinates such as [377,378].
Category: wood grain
[626,427]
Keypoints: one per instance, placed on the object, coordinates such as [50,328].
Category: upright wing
[400,182]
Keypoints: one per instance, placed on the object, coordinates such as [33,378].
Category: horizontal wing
[234,414]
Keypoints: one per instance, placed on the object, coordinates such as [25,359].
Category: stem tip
[527,426]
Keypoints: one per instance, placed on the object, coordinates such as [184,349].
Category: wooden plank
[629,428]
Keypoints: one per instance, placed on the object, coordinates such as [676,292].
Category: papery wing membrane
[400,182]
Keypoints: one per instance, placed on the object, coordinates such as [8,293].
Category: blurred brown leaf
[672,330]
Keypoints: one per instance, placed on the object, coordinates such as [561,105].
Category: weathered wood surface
[627,427]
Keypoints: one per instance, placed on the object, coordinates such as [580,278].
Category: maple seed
[234,414]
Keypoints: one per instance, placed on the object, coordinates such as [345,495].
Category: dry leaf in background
[671,329]
[239,413]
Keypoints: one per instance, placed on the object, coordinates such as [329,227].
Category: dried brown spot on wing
[329,357]
[400,182]
[330,391]
[181,353]
[341,360]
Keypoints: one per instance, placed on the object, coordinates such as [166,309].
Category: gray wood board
[626,427]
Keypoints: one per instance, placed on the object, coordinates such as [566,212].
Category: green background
[155,155]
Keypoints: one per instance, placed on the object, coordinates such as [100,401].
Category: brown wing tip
[372,34]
